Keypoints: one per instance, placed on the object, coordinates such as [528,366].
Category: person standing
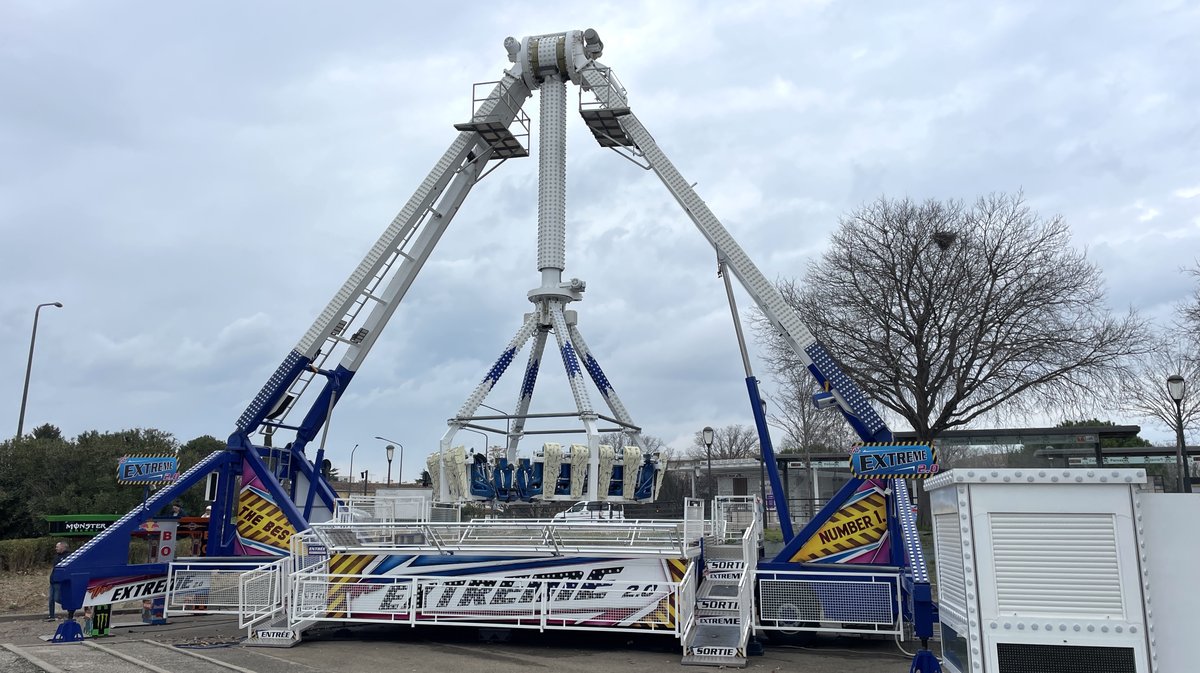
[60,552]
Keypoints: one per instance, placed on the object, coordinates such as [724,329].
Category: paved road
[380,648]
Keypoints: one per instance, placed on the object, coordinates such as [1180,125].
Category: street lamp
[352,463]
[29,366]
[707,436]
[390,449]
[1177,388]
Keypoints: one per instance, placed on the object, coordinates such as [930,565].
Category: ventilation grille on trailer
[1027,658]
[1056,564]
[952,586]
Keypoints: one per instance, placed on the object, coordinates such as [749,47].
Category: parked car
[591,510]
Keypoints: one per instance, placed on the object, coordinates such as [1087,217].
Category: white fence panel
[207,587]
[833,602]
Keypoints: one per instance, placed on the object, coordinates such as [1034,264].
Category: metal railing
[262,592]
[737,513]
[629,536]
[693,518]
[207,587]
[841,602]
[379,508]
[746,583]
[687,603]
[515,602]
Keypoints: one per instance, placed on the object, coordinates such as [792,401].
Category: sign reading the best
[147,470]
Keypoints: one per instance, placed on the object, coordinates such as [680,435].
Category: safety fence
[736,513]
[531,603]
[261,592]
[745,590]
[632,536]
[208,587]
[687,602]
[694,523]
[385,508]
[843,602]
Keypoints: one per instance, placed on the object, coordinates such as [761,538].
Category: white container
[1042,570]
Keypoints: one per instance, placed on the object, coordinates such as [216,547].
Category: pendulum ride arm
[379,282]
[377,285]
[848,396]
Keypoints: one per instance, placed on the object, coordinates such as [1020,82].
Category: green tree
[47,431]
[1134,441]
[45,474]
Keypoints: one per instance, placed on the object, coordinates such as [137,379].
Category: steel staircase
[725,600]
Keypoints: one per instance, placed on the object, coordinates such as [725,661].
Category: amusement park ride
[285,554]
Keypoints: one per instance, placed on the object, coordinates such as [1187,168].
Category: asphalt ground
[375,648]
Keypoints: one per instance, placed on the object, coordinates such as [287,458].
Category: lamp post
[29,365]
[390,449]
[1177,388]
[352,463]
[707,436]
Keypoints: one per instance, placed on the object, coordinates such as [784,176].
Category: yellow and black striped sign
[344,565]
[666,613]
[261,522]
[859,524]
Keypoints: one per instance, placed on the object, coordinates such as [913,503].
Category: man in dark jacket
[60,552]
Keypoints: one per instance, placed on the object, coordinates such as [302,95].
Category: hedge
[27,554]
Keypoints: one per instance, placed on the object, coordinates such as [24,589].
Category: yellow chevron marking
[343,564]
[855,525]
[263,521]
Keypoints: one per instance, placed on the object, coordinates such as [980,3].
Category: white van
[591,510]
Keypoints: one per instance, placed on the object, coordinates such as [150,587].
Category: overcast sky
[195,182]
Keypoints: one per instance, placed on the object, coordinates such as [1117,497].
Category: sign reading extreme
[894,460]
[147,469]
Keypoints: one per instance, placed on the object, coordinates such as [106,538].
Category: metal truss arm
[850,398]
[387,271]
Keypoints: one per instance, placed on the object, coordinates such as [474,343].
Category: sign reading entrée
[896,459]
[147,470]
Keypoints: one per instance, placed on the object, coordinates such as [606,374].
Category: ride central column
[552,176]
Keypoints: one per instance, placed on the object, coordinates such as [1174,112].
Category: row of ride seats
[627,474]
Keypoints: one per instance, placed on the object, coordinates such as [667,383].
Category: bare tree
[650,443]
[1189,312]
[946,312]
[729,441]
[1144,386]
[807,429]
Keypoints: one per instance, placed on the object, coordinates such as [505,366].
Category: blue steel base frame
[905,549]
[107,554]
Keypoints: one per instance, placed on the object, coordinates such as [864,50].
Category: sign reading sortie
[147,470]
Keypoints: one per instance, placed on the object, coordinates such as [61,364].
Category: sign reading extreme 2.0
[894,460]
[147,469]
